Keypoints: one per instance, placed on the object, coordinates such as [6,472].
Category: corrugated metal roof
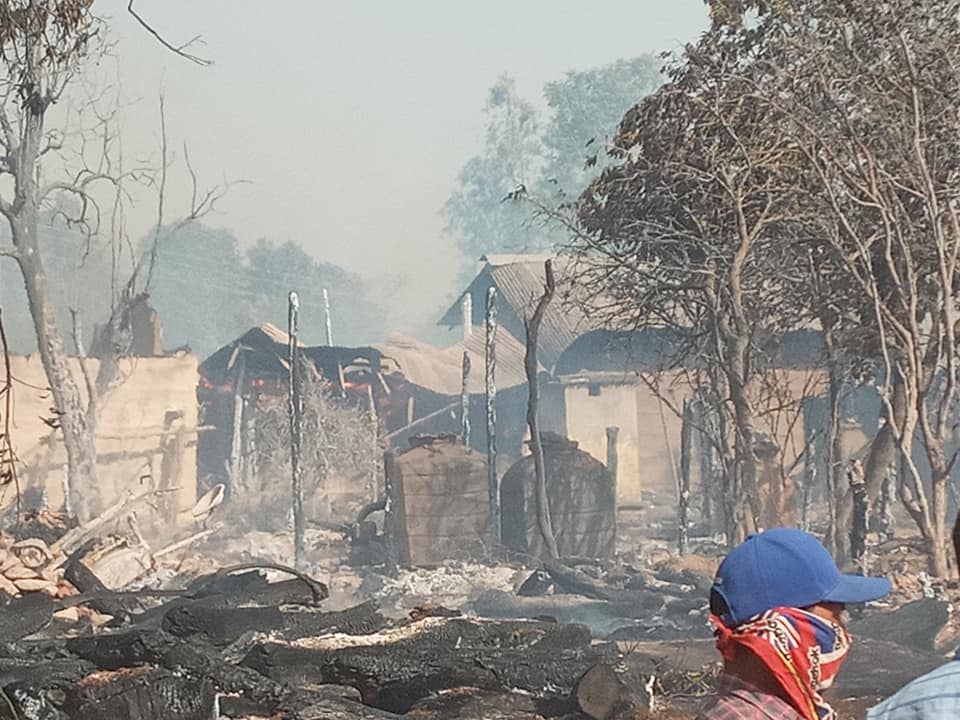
[509,356]
[520,281]
[513,258]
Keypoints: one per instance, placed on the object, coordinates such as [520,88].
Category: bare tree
[44,49]
[876,121]
[818,141]
[682,234]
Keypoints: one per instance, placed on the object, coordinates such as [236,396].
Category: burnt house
[235,377]
[414,388]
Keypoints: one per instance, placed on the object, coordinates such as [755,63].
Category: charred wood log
[396,668]
[601,694]
[538,583]
[601,616]
[474,704]
[579,583]
[154,647]
[140,694]
[86,581]
[24,616]
[222,626]
[255,587]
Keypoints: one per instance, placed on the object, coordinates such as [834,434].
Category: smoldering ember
[656,418]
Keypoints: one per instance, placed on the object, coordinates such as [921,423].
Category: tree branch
[177,50]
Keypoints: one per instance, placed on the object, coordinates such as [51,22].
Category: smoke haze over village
[351,120]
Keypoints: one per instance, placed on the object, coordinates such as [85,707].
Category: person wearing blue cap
[934,696]
[776,605]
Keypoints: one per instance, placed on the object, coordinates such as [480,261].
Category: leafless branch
[181,50]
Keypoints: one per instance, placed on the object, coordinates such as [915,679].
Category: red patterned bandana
[802,651]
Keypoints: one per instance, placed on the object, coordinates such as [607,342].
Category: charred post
[491,398]
[465,399]
[858,528]
[296,426]
[613,457]
[532,326]
[686,453]
[328,323]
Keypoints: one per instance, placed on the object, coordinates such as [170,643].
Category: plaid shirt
[934,696]
[739,700]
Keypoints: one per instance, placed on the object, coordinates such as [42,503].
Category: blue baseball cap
[786,567]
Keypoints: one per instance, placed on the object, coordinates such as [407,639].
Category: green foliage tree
[553,162]
[208,292]
[198,287]
[477,215]
[586,107]
[272,270]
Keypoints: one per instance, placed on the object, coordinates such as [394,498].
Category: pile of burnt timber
[233,645]
[617,603]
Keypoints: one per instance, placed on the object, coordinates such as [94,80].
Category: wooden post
[532,325]
[809,482]
[236,437]
[326,318]
[707,467]
[296,426]
[888,492]
[465,400]
[858,528]
[249,442]
[467,309]
[396,540]
[375,448]
[493,480]
[686,452]
[613,460]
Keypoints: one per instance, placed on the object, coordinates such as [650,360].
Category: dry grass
[341,457]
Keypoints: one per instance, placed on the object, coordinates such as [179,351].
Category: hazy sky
[351,119]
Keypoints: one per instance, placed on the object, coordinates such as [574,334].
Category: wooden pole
[613,458]
[236,437]
[707,466]
[375,444]
[858,528]
[396,540]
[493,481]
[686,453]
[465,400]
[532,325]
[296,426]
[467,309]
[809,482]
[326,318]
[885,519]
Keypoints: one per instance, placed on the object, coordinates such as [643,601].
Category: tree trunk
[834,446]
[533,421]
[746,490]
[883,453]
[939,478]
[686,453]
[77,425]
[858,529]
